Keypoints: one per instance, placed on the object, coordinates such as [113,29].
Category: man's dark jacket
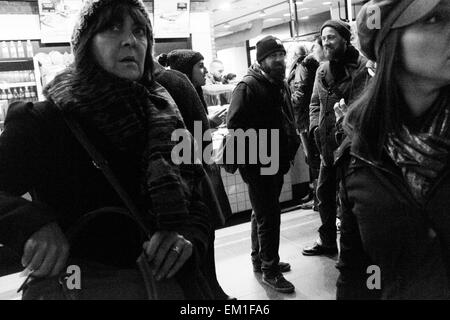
[302,80]
[327,91]
[258,103]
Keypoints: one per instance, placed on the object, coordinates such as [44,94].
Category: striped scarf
[137,118]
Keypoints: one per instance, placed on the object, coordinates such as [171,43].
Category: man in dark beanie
[342,77]
[262,101]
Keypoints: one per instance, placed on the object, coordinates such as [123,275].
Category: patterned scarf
[136,118]
[423,154]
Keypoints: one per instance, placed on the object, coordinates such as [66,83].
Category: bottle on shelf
[33,94]
[15,94]
[15,76]
[3,95]
[31,76]
[20,51]
[30,52]
[12,49]
[27,93]
[21,94]
[26,76]
[19,77]
[4,76]
[5,50]
[9,95]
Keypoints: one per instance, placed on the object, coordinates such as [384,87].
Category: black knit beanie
[183,60]
[340,26]
[90,11]
[268,45]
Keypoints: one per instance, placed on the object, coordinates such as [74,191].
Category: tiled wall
[237,191]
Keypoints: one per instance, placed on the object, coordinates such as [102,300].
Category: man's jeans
[326,194]
[264,192]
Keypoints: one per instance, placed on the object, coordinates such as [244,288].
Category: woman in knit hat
[129,118]
[193,112]
[395,232]
[191,64]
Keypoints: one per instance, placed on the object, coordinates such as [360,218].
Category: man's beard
[277,72]
[334,53]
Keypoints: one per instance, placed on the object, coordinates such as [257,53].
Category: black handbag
[99,281]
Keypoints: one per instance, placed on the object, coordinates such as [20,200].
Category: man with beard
[262,101]
[343,76]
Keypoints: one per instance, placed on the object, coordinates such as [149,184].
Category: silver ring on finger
[176,249]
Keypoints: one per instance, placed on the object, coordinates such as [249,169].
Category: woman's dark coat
[192,110]
[39,155]
[384,226]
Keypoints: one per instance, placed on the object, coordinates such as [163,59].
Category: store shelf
[8,60]
[16,64]
[17,84]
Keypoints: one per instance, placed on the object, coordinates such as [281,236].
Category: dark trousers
[264,193]
[312,155]
[326,194]
[209,271]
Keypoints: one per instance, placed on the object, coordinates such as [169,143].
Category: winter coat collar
[256,72]
[351,61]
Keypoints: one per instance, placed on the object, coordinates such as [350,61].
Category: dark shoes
[283,267]
[279,283]
[318,250]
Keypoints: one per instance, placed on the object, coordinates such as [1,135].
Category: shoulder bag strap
[102,164]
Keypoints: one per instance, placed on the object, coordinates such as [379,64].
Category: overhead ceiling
[230,16]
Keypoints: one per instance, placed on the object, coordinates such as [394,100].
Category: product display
[17,75]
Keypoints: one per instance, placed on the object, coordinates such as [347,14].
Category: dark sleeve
[340,133]
[304,85]
[314,107]
[23,156]
[199,228]
[173,189]
[186,98]
[353,261]
[238,112]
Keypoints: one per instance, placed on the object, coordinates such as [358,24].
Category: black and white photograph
[232,158]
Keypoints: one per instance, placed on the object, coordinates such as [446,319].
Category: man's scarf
[423,154]
[135,117]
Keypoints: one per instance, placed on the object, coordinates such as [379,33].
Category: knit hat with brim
[378,17]
[340,26]
[90,12]
[183,60]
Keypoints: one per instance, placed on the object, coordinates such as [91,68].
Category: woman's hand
[46,251]
[340,110]
[167,252]
[296,96]
[218,117]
